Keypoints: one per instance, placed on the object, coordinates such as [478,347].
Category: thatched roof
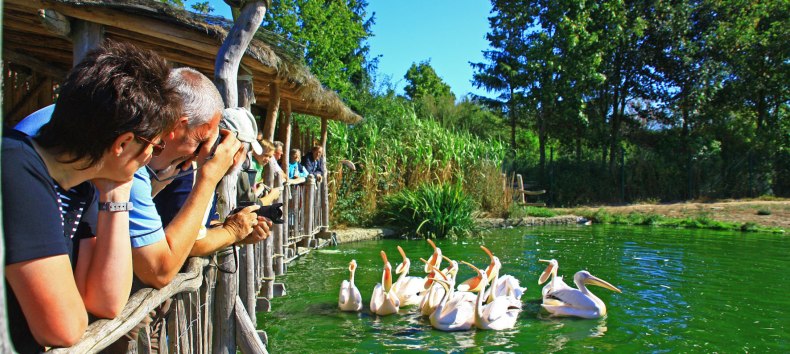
[178,35]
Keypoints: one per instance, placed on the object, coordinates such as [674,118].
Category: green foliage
[763,212]
[202,7]
[423,81]
[334,34]
[518,211]
[699,222]
[434,211]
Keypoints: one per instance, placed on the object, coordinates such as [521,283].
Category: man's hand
[228,152]
[243,223]
[260,232]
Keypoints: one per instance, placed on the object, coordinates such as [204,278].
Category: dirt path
[734,211]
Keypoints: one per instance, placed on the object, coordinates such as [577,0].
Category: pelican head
[474,284]
[386,277]
[495,265]
[452,268]
[551,269]
[436,257]
[403,267]
[587,278]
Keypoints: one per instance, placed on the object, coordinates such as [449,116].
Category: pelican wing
[556,284]
[454,317]
[343,297]
[377,299]
[409,290]
[507,285]
[572,298]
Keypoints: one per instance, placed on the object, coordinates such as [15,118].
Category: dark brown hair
[117,88]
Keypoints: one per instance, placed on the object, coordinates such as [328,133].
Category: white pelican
[556,282]
[434,261]
[350,299]
[409,289]
[500,313]
[434,293]
[579,302]
[456,317]
[502,284]
[384,301]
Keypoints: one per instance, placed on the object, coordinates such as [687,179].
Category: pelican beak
[593,280]
[386,277]
[546,273]
[434,271]
[352,266]
[403,267]
[443,283]
[473,284]
[436,257]
[490,268]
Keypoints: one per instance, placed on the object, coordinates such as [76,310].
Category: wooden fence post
[85,36]
[520,181]
[325,180]
[309,202]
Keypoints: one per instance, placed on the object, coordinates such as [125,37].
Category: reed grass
[431,211]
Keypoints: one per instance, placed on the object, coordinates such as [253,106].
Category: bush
[763,212]
[434,211]
[517,212]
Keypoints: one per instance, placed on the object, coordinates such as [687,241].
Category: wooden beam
[86,36]
[55,22]
[271,114]
[36,65]
[33,94]
[246,337]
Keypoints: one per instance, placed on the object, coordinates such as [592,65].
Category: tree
[334,35]
[423,81]
[202,7]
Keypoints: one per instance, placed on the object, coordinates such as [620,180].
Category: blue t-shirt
[296,170]
[172,198]
[145,224]
[37,221]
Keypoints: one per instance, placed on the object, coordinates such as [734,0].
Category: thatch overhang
[178,35]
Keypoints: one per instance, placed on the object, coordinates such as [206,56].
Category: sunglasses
[158,148]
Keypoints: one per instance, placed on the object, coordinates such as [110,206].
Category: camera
[272,212]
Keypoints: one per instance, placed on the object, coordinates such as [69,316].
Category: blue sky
[449,33]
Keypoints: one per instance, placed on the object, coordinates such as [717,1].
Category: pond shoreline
[354,234]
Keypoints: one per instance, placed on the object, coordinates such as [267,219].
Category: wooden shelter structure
[43,39]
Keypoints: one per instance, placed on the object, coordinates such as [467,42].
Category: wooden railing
[204,312]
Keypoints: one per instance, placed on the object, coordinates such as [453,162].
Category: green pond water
[683,291]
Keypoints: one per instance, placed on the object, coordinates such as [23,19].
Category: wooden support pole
[285,138]
[267,290]
[85,36]
[247,338]
[279,232]
[325,180]
[285,135]
[271,113]
[233,48]
[309,196]
[520,182]
[55,22]
[224,340]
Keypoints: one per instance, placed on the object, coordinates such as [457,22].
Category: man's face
[278,152]
[184,143]
[317,153]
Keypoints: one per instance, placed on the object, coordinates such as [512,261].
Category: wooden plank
[224,341]
[520,184]
[26,100]
[102,333]
[85,36]
[246,337]
[39,66]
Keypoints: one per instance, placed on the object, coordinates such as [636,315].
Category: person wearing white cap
[159,252]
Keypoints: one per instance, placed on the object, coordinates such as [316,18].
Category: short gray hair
[201,99]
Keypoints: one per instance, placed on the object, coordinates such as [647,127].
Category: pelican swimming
[350,299]
[500,313]
[434,292]
[556,282]
[451,316]
[434,261]
[579,302]
[502,285]
[409,289]
[384,301]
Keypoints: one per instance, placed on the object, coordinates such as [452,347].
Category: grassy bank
[602,216]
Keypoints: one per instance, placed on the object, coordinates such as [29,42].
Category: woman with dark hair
[66,193]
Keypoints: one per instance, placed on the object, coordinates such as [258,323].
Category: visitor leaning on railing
[112,110]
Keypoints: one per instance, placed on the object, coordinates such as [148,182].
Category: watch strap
[115,207]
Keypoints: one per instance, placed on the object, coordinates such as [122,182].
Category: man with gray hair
[160,252]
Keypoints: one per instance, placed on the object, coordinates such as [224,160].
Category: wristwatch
[113,207]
